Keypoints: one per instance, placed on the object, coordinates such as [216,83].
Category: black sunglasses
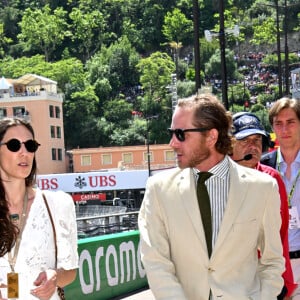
[179,133]
[14,145]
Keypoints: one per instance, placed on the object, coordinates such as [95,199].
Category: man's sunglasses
[180,133]
[14,145]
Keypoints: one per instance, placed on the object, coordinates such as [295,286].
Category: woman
[28,264]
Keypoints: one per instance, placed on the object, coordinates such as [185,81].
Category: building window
[55,132]
[53,150]
[51,111]
[57,112]
[52,129]
[86,160]
[106,159]
[19,111]
[3,112]
[59,154]
[58,132]
[169,155]
[56,154]
[146,156]
[127,158]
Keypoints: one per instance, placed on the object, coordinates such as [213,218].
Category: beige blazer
[173,246]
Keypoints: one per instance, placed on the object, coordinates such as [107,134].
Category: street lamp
[148,118]
[148,148]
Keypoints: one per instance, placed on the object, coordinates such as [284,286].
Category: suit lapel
[188,198]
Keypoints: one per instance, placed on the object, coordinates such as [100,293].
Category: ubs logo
[80,182]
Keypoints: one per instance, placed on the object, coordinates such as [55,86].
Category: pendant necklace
[13,277]
[14,218]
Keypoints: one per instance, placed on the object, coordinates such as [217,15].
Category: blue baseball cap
[245,124]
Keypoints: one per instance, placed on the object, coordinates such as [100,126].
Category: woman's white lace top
[37,251]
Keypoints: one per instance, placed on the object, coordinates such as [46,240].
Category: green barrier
[109,266]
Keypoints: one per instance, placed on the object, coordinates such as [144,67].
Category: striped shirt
[218,188]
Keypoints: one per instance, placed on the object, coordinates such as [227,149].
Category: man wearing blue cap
[250,140]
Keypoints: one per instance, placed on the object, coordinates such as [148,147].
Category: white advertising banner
[93,181]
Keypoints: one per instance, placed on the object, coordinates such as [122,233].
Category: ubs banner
[109,266]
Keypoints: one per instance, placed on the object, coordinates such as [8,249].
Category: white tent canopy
[4,84]
[37,82]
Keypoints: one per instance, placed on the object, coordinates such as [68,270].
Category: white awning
[33,80]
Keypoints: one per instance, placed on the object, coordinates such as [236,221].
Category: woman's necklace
[12,277]
[15,218]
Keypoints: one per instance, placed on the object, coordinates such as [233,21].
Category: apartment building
[151,157]
[35,98]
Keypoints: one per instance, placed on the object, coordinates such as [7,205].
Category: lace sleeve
[63,213]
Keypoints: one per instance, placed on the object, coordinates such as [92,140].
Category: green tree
[176,29]
[213,66]
[176,26]
[265,33]
[134,134]
[155,73]
[112,71]
[207,49]
[118,111]
[15,68]
[4,41]
[150,24]
[155,76]
[68,72]
[43,30]
[10,17]
[88,30]
[80,121]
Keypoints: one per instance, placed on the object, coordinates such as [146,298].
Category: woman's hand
[45,285]
[2,286]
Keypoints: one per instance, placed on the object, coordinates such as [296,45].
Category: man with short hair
[186,255]
[284,117]
[250,139]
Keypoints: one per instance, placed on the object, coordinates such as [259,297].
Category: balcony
[40,95]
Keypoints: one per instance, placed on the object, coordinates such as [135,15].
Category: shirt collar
[281,159]
[219,170]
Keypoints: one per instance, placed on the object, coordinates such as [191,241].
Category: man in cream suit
[245,216]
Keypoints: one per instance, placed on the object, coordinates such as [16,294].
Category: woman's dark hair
[9,231]
[210,113]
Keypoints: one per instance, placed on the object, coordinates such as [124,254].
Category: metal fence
[95,220]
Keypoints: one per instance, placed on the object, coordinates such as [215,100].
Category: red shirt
[284,212]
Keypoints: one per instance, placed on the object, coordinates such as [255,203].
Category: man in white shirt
[284,116]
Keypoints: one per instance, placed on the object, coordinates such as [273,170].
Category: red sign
[86,197]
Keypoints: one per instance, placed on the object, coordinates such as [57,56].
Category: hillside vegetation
[114,59]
